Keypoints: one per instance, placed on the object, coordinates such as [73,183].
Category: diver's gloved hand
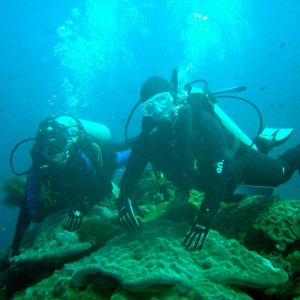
[126,213]
[73,221]
[195,238]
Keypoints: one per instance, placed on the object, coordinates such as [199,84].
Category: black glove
[73,221]
[127,216]
[195,238]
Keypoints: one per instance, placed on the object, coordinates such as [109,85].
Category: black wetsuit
[84,183]
[210,159]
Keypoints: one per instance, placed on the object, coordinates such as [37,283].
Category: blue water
[89,58]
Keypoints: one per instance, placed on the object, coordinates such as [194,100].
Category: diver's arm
[24,220]
[28,207]
[213,166]
[135,167]
[218,157]
[136,164]
[122,158]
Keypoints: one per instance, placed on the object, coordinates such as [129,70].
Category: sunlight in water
[95,42]
[210,30]
[92,45]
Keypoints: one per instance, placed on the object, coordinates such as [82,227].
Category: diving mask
[55,138]
[157,105]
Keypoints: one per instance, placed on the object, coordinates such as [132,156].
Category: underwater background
[89,58]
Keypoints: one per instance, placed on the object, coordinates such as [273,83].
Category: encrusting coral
[14,190]
[99,227]
[153,255]
[52,243]
[273,221]
[280,222]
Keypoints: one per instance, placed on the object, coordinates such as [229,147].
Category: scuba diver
[73,164]
[186,137]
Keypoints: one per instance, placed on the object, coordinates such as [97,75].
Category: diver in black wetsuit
[189,144]
[71,170]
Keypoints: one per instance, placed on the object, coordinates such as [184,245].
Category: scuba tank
[98,130]
[227,122]
[265,139]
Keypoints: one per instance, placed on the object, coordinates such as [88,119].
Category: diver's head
[56,140]
[159,107]
[152,86]
[157,101]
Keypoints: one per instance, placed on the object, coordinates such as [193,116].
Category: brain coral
[280,222]
[152,257]
[52,243]
[153,254]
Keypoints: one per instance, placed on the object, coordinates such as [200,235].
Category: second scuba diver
[186,140]
[71,170]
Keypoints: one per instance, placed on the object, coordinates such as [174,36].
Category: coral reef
[47,247]
[99,226]
[153,186]
[280,222]
[272,221]
[52,243]
[252,258]
[48,242]
[14,190]
[153,256]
